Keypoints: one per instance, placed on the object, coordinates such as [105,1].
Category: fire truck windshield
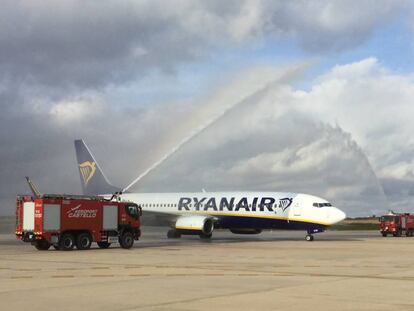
[133,210]
[388,218]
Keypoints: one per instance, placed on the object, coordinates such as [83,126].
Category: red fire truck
[397,224]
[66,221]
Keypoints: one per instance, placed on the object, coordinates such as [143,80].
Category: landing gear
[173,234]
[309,237]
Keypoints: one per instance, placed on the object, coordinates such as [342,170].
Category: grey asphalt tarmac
[278,270]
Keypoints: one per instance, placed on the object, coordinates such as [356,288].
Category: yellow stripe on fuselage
[188,228]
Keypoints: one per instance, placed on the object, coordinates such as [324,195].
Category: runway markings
[102,275]
[133,267]
[62,276]
[218,274]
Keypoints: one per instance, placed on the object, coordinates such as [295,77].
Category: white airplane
[200,213]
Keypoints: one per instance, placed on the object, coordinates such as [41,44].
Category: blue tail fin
[92,178]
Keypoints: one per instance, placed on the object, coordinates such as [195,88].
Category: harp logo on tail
[87,170]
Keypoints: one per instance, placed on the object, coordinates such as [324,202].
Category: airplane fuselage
[258,210]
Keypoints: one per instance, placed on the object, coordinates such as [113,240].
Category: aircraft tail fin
[92,177]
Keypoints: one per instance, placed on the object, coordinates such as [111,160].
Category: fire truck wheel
[83,241]
[103,244]
[67,242]
[384,234]
[126,240]
[42,245]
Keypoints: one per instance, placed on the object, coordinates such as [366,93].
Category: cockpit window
[321,204]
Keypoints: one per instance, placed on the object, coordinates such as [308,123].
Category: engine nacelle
[246,231]
[195,225]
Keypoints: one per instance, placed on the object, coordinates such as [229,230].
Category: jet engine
[200,225]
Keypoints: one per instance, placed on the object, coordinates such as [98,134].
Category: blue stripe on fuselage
[227,222]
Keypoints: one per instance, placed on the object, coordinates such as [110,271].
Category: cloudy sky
[300,96]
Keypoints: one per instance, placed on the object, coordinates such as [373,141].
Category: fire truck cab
[68,221]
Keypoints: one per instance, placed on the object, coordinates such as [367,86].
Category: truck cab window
[133,210]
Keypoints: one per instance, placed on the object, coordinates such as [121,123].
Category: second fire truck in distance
[397,224]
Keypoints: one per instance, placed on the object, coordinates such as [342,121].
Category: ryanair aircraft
[200,213]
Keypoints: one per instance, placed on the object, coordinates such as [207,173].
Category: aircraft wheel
[309,237]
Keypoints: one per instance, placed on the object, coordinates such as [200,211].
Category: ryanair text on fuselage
[230,204]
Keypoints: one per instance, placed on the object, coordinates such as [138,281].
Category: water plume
[281,77]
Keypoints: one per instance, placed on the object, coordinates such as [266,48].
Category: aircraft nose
[336,215]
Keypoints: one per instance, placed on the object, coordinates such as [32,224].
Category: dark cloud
[90,44]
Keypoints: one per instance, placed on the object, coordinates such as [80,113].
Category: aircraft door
[297,209]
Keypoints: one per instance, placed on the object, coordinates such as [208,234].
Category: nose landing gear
[309,237]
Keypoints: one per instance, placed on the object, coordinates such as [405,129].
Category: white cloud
[372,103]
[69,111]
